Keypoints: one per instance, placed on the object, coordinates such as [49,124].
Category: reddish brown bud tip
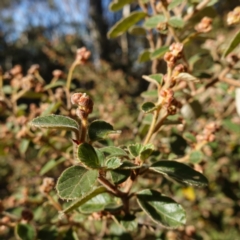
[204,26]
[27,215]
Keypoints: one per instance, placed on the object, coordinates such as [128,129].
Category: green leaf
[180,172]
[196,157]
[161,209]
[233,44]
[24,145]
[99,130]
[84,199]
[54,85]
[75,182]
[189,136]
[137,31]
[119,176]
[33,95]
[97,203]
[143,151]
[150,94]
[56,121]
[152,22]
[174,4]
[113,151]
[116,5]
[148,107]
[158,53]
[25,231]
[176,22]
[100,156]
[50,165]
[88,156]
[186,77]
[157,79]
[130,165]
[51,108]
[144,56]
[124,24]
[231,126]
[113,163]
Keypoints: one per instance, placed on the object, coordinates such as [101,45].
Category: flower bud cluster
[84,102]
[82,55]
[47,185]
[169,102]
[208,133]
[204,26]
[174,54]
[233,17]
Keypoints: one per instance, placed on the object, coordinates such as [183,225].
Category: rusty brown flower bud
[233,17]
[33,68]
[204,26]
[47,185]
[57,73]
[82,55]
[27,215]
[16,70]
[84,102]
[176,49]
[75,98]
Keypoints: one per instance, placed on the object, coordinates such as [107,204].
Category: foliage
[111,172]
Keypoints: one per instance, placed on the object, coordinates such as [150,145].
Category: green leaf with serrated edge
[189,136]
[176,22]
[86,197]
[161,209]
[50,165]
[25,231]
[148,107]
[145,154]
[116,5]
[113,151]
[99,130]
[144,56]
[56,121]
[97,203]
[186,77]
[195,156]
[153,21]
[100,156]
[233,44]
[113,163]
[75,182]
[143,151]
[135,149]
[158,53]
[174,4]
[137,31]
[88,156]
[150,94]
[125,23]
[180,172]
[119,175]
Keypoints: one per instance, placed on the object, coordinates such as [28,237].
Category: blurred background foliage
[48,33]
